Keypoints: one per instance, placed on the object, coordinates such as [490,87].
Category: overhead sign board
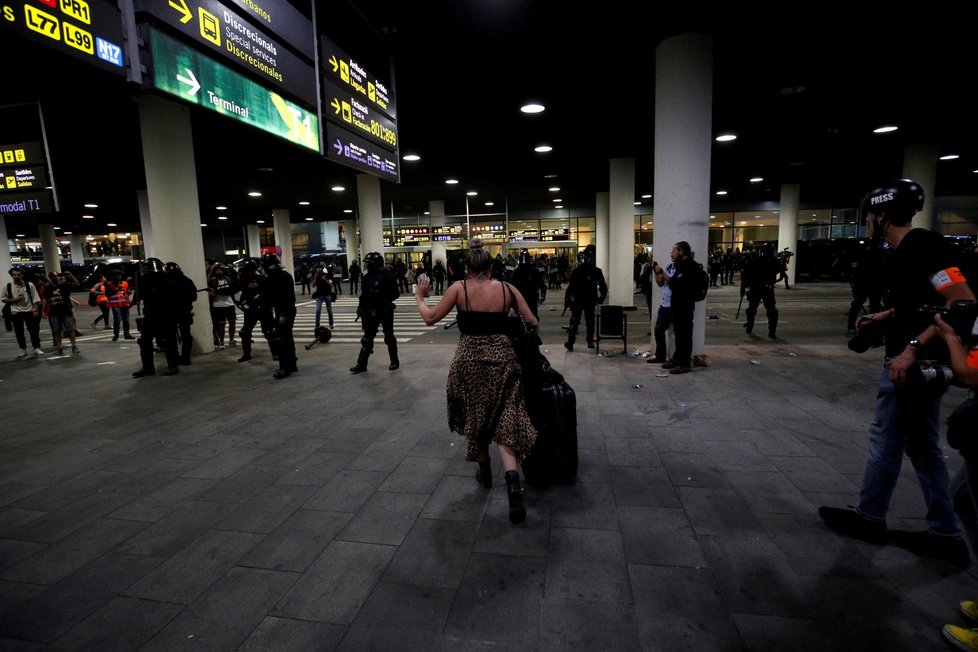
[283,20]
[89,30]
[220,30]
[23,178]
[196,78]
[359,153]
[353,112]
[26,203]
[21,154]
[353,76]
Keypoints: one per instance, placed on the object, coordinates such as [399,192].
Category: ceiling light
[303,203]
[347,210]
[91,205]
[265,169]
[721,192]
[637,203]
[557,201]
[88,217]
[19,235]
[726,138]
[553,189]
[412,157]
[202,224]
[559,206]
[57,228]
[220,208]
[427,212]
[489,203]
[713,217]
[532,108]
[337,188]
[260,221]
[949,157]
[254,193]
[222,217]
[471,193]
[543,149]
[451,182]
[646,196]
[111,224]
[550,176]
[885,129]
[69,233]
[756,179]
[309,219]
[743,222]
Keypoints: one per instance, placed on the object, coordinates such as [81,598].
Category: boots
[484,474]
[772,324]
[361,364]
[517,512]
[392,351]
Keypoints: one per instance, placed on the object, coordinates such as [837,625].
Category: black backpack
[701,282]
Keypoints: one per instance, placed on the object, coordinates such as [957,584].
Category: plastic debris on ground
[609,354]
[793,355]
[632,354]
[639,386]
[662,374]
[646,354]
[755,361]
[713,315]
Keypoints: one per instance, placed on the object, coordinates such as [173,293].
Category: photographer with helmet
[376,309]
[922,270]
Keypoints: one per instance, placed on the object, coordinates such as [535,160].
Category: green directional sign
[193,77]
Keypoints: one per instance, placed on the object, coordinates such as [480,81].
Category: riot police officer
[186,295]
[757,281]
[279,293]
[254,308]
[585,289]
[160,299]
[376,309]
[529,281]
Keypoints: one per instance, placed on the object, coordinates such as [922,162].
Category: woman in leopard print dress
[485,393]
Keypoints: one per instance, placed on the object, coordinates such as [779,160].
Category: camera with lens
[869,335]
[931,374]
[960,315]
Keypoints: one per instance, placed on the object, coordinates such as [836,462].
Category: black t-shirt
[59,299]
[922,265]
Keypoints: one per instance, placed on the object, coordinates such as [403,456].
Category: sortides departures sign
[90,30]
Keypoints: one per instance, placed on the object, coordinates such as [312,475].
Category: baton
[739,305]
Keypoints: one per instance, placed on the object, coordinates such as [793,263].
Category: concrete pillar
[788,225]
[602,229]
[49,247]
[683,141]
[77,248]
[283,237]
[146,225]
[4,250]
[920,165]
[621,237]
[371,215]
[171,216]
[254,240]
[436,214]
[352,243]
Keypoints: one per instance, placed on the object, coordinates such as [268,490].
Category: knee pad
[390,339]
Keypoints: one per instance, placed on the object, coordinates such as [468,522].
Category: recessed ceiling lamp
[265,169]
[88,217]
[254,193]
[885,129]
[57,228]
[451,182]
[550,176]
[533,107]
[554,189]
[949,157]
[756,179]
[471,193]
[202,224]
[713,217]
[19,235]
[111,224]
[309,219]
[303,203]
[726,138]
[637,203]
[559,206]
[260,221]
[91,205]
[412,157]
[220,208]
[721,192]
[543,149]
[222,217]
[557,201]
[347,210]
[743,222]
[646,196]
[69,233]
[337,188]
[489,203]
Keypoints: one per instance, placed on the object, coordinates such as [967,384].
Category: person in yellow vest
[117,292]
[101,302]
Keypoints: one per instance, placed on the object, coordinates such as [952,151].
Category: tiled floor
[220,509]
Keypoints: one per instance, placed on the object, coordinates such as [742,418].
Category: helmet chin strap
[879,230]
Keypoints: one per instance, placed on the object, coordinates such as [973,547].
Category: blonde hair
[478,261]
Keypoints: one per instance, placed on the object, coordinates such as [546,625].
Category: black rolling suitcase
[552,405]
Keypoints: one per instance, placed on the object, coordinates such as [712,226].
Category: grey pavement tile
[15,593]
[400,616]
[632,451]
[385,518]
[681,609]
[593,465]
[11,492]
[224,463]
[171,533]
[10,645]
[568,624]
[781,442]
[243,484]
[738,456]
[694,470]
[336,586]
[316,470]
[352,441]
[381,456]
[442,445]
[718,512]
[59,524]
[51,613]
[643,487]
[587,564]
[291,452]
[770,492]
[122,624]
[297,542]
[498,536]
[347,492]
[11,517]
[434,553]
[419,475]
[290,635]
[52,563]
[12,552]
[227,613]
[763,632]
[659,536]
[846,458]
[166,499]
[187,574]
[267,509]
[585,505]
[814,474]
[140,483]
[457,498]
[500,600]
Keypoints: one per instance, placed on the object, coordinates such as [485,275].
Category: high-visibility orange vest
[120,297]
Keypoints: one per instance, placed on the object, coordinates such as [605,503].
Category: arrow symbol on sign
[336,105]
[339,146]
[181,6]
[332,60]
[191,82]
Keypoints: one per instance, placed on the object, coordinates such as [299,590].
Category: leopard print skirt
[485,396]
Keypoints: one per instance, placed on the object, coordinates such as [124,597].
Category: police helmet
[171,267]
[526,258]
[270,261]
[374,261]
[247,266]
[899,200]
[154,266]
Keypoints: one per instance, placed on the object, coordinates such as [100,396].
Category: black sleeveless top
[475,322]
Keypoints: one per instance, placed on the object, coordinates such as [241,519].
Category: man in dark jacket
[757,281]
[160,300]
[186,295]
[376,309]
[585,289]
[529,281]
[280,297]
[682,306]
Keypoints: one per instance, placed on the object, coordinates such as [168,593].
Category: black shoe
[851,523]
[952,550]
[358,368]
[517,511]
[668,365]
[281,373]
[128,337]
[244,358]
[748,328]
[172,371]
[484,474]
[568,346]
[590,345]
[185,362]
[394,366]
[655,360]
[772,336]
[142,372]
[115,338]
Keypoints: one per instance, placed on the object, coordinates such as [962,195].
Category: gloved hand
[743,290]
